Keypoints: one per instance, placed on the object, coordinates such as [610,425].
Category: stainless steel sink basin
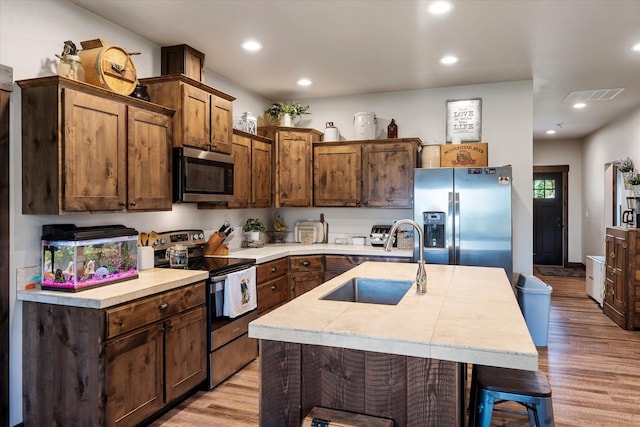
[370,291]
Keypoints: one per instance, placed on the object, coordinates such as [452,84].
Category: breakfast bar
[401,360]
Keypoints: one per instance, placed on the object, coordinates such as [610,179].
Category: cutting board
[304,228]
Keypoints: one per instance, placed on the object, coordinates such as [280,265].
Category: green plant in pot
[634,179]
[254,226]
[286,112]
[625,165]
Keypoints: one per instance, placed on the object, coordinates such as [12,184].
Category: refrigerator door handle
[450,233]
[456,230]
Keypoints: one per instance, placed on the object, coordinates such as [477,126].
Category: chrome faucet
[421,275]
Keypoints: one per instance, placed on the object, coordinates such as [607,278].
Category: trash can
[534,299]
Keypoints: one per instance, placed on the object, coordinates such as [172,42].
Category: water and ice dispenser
[434,231]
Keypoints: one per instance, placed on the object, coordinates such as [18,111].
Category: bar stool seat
[491,386]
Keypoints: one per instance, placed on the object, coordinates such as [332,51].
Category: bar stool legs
[491,386]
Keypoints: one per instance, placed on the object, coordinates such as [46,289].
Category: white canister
[331,133]
[364,125]
[430,155]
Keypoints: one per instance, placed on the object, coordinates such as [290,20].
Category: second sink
[370,291]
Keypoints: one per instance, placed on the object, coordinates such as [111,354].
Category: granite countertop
[149,282]
[274,251]
[469,315]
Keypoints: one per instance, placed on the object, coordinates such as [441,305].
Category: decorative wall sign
[464,120]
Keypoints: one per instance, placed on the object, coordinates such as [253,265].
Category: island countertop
[469,315]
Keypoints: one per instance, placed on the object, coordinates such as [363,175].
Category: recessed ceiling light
[252,45]
[440,7]
[636,47]
[304,82]
[449,59]
[579,105]
[551,132]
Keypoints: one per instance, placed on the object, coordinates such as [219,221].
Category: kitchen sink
[370,291]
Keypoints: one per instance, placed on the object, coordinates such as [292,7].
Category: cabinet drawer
[305,263]
[345,263]
[272,293]
[271,270]
[232,330]
[147,310]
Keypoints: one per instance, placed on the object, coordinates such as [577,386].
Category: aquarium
[78,258]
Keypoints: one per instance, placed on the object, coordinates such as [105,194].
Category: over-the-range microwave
[202,176]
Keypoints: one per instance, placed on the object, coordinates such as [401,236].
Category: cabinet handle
[305,263]
[163,306]
[273,287]
[170,325]
[133,203]
[612,255]
[273,269]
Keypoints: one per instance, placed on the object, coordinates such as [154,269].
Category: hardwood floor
[593,367]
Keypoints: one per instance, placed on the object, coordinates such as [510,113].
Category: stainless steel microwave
[202,176]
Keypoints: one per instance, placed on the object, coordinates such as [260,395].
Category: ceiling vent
[593,95]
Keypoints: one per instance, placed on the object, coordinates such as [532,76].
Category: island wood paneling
[411,391]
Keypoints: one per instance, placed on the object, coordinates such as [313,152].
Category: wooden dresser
[622,276]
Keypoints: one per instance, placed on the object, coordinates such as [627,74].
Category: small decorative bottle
[392,129]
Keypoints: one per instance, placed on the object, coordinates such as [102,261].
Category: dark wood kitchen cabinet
[272,284]
[113,366]
[622,277]
[252,156]
[305,273]
[204,115]
[375,173]
[87,149]
[292,164]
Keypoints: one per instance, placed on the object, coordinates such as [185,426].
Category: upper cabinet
[252,171]
[292,167]
[204,115]
[87,149]
[376,173]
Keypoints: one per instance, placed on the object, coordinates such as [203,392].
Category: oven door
[202,176]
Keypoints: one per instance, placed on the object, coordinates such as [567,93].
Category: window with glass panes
[544,188]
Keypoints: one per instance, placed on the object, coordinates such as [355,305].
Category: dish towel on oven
[240,292]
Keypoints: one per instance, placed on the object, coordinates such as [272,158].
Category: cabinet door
[134,376]
[149,161]
[241,172]
[261,174]
[94,153]
[221,124]
[293,163]
[388,175]
[186,352]
[196,117]
[620,279]
[303,281]
[337,175]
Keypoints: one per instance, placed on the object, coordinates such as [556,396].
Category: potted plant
[254,226]
[285,112]
[633,182]
[625,166]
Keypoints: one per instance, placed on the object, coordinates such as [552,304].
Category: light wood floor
[593,367]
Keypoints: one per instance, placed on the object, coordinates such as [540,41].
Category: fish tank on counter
[79,258]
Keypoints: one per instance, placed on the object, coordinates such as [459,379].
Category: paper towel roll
[145,257]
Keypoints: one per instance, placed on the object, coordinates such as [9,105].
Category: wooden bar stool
[491,386]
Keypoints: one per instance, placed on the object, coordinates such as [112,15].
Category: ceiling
[349,47]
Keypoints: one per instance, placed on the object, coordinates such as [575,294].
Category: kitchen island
[404,362]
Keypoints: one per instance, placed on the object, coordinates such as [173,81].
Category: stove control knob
[163,240]
[201,236]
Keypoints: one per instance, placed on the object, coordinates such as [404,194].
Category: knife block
[215,245]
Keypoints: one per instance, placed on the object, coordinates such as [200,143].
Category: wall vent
[593,95]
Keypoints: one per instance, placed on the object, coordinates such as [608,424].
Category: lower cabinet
[115,366]
[622,277]
[305,273]
[272,284]
[335,265]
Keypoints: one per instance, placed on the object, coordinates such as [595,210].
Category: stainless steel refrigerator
[466,215]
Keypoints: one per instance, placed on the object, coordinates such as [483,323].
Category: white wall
[613,142]
[507,111]
[566,152]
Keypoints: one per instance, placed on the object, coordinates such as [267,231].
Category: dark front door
[547,218]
